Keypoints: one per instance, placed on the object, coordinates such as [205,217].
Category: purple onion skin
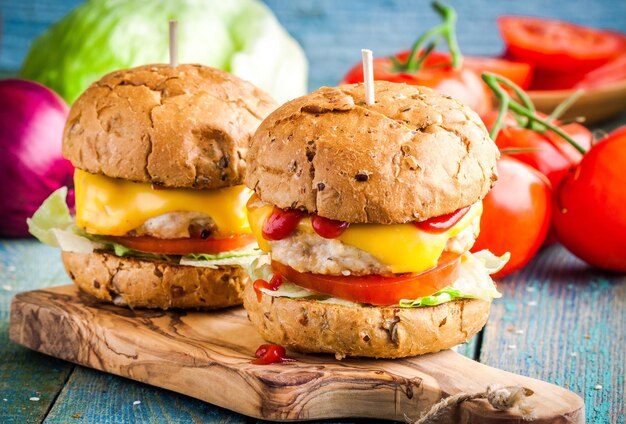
[32,118]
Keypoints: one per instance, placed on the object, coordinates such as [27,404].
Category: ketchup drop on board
[271,354]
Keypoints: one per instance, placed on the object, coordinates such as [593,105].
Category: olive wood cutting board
[207,356]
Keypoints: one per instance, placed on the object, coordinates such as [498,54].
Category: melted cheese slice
[403,247]
[111,206]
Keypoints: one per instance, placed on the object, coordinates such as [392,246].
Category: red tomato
[185,246]
[516,214]
[589,213]
[464,85]
[519,72]
[559,46]
[376,289]
[547,152]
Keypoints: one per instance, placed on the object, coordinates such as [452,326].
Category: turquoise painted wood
[334,32]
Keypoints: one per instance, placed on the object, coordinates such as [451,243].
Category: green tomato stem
[495,82]
[445,30]
[564,105]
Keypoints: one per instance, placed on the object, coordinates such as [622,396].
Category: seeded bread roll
[413,155]
[140,283]
[188,126]
[369,331]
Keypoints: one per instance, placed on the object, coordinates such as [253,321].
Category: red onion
[32,118]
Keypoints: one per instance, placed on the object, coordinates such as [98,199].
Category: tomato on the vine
[516,214]
[463,84]
[589,216]
[545,151]
[443,72]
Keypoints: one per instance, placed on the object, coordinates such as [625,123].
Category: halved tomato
[185,246]
[559,46]
[377,289]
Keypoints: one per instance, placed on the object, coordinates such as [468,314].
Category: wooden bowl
[595,105]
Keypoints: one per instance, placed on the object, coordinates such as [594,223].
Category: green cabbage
[100,36]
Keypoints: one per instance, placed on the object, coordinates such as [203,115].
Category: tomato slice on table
[559,46]
[377,289]
[185,246]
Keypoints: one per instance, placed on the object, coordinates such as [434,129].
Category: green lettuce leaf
[99,36]
[52,214]
[473,282]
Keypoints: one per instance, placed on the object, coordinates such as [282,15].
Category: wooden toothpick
[173,44]
[368,76]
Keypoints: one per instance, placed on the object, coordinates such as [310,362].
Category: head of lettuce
[239,36]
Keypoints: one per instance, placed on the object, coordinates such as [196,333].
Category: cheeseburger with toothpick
[368,213]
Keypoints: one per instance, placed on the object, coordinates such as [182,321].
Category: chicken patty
[309,252]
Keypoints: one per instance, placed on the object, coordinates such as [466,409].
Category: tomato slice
[559,46]
[185,246]
[377,289]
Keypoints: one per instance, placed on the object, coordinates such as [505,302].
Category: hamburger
[160,219]
[367,214]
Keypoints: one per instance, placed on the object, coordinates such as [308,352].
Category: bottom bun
[141,283]
[369,331]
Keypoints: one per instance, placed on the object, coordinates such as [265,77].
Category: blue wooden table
[558,320]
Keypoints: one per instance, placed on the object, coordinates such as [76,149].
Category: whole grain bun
[188,126]
[141,283]
[369,331]
[413,155]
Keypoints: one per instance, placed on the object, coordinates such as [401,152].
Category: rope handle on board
[500,397]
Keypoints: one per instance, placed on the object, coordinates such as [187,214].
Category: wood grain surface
[207,356]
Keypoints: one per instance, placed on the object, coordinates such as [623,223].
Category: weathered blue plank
[333,32]
[94,397]
[24,374]
[565,323]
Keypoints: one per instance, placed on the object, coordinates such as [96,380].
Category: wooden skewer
[368,76]
[173,44]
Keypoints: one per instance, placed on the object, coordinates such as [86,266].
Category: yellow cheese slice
[111,206]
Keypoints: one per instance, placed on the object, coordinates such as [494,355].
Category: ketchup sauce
[273,285]
[442,223]
[271,354]
[328,228]
[281,223]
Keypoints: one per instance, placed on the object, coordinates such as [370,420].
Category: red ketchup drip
[271,354]
[328,228]
[281,223]
[442,223]
[273,285]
